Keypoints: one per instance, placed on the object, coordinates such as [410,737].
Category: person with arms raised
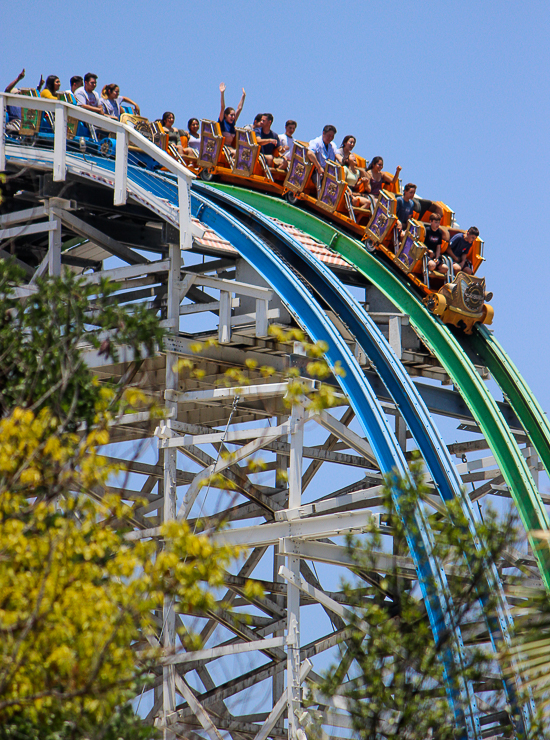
[229,116]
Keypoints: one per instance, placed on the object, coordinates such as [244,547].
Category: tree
[390,676]
[530,649]
[77,636]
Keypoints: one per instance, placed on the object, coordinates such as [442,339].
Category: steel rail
[430,573]
[311,317]
[439,338]
[403,392]
[513,385]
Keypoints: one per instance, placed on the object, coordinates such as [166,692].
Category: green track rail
[452,357]
[520,396]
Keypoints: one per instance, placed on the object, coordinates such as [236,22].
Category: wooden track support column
[170,487]
[293,593]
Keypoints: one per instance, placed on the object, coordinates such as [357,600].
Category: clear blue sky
[457,93]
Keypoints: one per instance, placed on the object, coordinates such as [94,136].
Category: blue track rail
[311,317]
[402,390]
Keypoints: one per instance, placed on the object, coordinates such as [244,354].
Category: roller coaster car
[411,250]
[72,123]
[249,162]
[216,159]
[333,188]
[42,125]
[299,172]
[461,302]
[380,227]
[210,148]
[107,145]
[140,124]
[247,153]
[163,139]
[332,197]
[30,119]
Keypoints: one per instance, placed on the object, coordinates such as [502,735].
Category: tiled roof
[212,241]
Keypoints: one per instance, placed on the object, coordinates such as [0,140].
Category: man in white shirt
[286,145]
[86,96]
[321,149]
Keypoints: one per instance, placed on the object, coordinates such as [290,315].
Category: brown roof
[213,242]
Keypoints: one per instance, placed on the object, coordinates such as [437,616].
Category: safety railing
[125,136]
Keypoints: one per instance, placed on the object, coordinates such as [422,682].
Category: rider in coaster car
[229,116]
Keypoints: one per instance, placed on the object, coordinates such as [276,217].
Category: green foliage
[41,363]
[124,724]
[390,672]
[529,653]
[77,597]
[77,634]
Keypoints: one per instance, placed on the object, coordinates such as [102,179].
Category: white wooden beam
[121,167]
[281,704]
[192,308]
[234,286]
[394,335]
[125,273]
[165,433]
[317,595]
[27,230]
[262,317]
[220,652]
[344,433]
[198,710]
[26,215]
[329,504]
[184,213]
[54,245]
[250,392]
[254,318]
[224,328]
[60,143]
[332,525]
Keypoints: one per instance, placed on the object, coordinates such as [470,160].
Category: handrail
[125,135]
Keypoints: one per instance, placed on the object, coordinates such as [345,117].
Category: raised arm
[222,91]
[240,106]
[20,76]
[389,178]
[136,106]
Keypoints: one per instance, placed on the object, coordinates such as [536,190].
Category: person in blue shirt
[14,111]
[321,149]
[405,206]
[459,248]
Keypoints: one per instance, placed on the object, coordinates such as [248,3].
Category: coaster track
[311,292]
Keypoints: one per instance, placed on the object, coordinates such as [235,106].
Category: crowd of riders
[277,150]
